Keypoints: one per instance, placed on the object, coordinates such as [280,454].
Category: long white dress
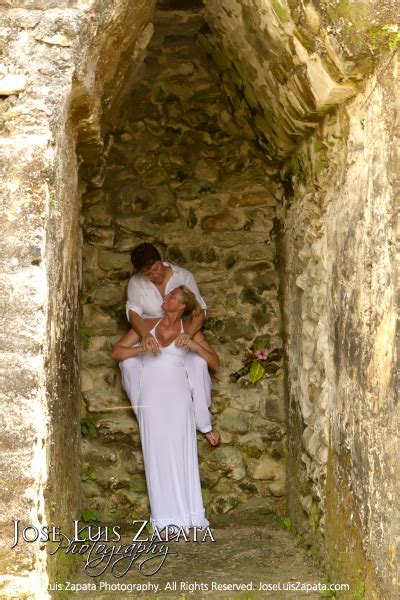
[168,435]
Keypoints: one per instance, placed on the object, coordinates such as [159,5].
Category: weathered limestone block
[234,421]
[100,236]
[268,429]
[255,511]
[118,426]
[252,444]
[110,261]
[247,401]
[109,294]
[102,400]
[224,503]
[225,458]
[12,84]
[209,477]
[271,405]
[97,215]
[265,468]
[98,320]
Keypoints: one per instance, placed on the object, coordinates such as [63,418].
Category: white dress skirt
[168,435]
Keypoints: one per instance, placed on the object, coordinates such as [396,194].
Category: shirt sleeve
[133,302]
[192,285]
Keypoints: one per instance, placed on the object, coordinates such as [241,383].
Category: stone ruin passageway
[254,142]
[181,173]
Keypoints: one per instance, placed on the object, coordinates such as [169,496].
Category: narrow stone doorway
[181,173]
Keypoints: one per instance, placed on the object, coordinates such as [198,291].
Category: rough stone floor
[240,554]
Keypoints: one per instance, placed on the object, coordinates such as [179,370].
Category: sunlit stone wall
[53,57]
[339,233]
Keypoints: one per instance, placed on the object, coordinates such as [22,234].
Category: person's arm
[196,322]
[202,347]
[140,326]
[123,348]
[191,329]
[134,313]
[191,283]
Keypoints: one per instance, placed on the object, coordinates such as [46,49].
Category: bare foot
[213,437]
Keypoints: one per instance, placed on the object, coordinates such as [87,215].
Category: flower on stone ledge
[262,354]
[259,362]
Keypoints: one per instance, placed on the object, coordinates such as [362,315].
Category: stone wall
[181,174]
[338,245]
[52,57]
[66,70]
[292,61]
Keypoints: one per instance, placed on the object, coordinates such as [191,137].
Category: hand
[183,340]
[150,344]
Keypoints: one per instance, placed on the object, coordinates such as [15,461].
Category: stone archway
[290,70]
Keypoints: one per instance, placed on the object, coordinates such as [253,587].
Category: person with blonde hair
[152,280]
[165,413]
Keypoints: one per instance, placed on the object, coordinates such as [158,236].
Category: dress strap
[154,328]
[182,329]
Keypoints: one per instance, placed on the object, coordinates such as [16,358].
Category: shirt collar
[168,264]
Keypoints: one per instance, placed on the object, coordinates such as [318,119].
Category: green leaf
[256,371]
[149,527]
[92,515]
[86,331]
[89,475]
[286,523]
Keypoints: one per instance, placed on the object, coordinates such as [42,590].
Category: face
[173,301]
[155,273]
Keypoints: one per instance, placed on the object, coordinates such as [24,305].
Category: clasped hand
[150,344]
[183,340]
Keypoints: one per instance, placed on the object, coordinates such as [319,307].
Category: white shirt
[145,299]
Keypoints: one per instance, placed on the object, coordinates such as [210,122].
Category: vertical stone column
[53,76]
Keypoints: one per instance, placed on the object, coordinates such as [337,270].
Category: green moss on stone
[264,125]
[204,43]
[280,11]
[357,22]
[220,59]
[250,97]
[242,72]
[343,530]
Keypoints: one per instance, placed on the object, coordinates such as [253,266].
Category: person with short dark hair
[146,288]
[144,256]
[153,280]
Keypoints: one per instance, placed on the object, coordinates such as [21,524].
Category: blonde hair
[192,306]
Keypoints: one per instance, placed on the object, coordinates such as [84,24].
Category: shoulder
[184,273]
[135,280]
[136,277]
[151,322]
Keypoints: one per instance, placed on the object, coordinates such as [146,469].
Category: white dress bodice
[169,356]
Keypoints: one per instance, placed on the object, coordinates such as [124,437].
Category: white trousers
[199,382]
